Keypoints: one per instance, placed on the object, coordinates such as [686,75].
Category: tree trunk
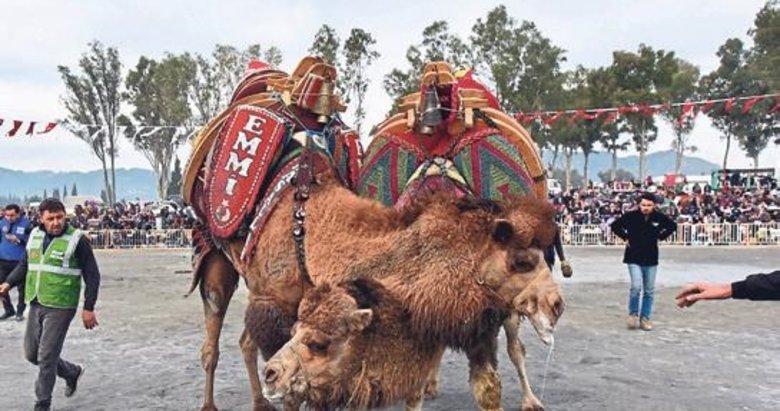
[642,157]
[105,176]
[112,153]
[556,149]
[728,146]
[569,154]
[613,172]
[679,153]
[585,169]
[755,161]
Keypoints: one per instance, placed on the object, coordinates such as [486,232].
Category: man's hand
[4,288]
[89,319]
[702,291]
[12,238]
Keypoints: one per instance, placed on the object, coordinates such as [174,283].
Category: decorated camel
[273,194]
[452,137]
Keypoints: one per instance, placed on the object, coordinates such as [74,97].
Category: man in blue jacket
[14,229]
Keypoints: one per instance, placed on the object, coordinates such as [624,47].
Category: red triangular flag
[729,104]
[30,128]
[49,127]
[549,120]
[707,105]
[687,107]
[612,116]
[776,107]
[15,129]
[750,103]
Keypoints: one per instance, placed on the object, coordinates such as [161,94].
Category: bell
[430,116]
[322,105]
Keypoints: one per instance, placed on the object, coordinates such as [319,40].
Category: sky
[37,36]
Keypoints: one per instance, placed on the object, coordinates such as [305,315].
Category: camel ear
[502,231]
[359,320]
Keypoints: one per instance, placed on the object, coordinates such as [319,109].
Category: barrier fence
[580,235]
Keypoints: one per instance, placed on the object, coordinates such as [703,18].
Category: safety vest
[53,274]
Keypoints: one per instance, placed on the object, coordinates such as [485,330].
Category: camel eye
[317,347]
[522,266]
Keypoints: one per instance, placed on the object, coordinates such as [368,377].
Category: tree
[64,191]
[73,191]
[157,91]
[732,78]
[358,55]
[765,55]
[683,88]
[522,64]
[92,100]
[214,79]
[326,44]
[56,193]
[437,44]
[103,196]
[45,194]
[174,188]
[643,78]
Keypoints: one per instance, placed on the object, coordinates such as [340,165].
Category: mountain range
[137,183]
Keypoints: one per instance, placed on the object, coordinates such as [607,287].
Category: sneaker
[7,315]
[645,324]
[632,322]
[72,385]
[19,317]
[42,407]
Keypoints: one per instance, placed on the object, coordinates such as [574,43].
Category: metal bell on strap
[430,116]
[322,106]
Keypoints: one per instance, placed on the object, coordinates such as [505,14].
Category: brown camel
[471,257]
[354,346]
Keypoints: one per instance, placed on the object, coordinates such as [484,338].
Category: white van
[554,187]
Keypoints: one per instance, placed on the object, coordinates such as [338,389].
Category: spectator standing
[14,229]
[642,229]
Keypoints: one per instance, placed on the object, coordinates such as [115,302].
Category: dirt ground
[714,356]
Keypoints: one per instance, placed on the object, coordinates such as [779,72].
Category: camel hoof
[532,406]
[431,390]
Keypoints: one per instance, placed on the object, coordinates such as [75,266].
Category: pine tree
[74,192]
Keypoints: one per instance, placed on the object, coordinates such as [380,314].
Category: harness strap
[303,180]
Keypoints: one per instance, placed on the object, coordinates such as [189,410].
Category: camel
[353,346]
[472,257]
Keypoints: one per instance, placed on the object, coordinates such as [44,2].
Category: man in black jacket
[642,229]
[757,287]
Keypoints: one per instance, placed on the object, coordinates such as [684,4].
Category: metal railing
[580,235]
[122,239]
[686,234]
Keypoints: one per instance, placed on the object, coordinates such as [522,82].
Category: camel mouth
[544,328]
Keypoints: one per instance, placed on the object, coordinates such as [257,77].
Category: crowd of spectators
[126,216]
[685,203]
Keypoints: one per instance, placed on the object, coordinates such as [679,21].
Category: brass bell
[322,105]
[430,116]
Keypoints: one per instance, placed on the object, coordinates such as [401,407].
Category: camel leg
[516,351]
[432,384]
[483,375]
[291,404]
[249,350]
[217,285]
[415,401]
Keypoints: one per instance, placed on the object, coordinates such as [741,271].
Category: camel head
[515,267]
[329,318]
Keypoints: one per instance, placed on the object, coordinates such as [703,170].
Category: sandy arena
[145,355]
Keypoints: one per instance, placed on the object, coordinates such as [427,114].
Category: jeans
[642,281]
[43,340]
[5,270]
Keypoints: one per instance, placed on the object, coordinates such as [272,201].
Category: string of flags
[689,109]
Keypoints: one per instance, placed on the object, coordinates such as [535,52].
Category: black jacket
[643,235]
[758,287]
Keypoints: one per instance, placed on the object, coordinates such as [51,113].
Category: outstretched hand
[4,288]
[702,291]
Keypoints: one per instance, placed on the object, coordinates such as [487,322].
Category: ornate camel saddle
[245,158]
[450,136]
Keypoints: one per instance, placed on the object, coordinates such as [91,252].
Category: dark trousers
[6,267]
[43,340]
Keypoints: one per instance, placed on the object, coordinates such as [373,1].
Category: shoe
[19,317]
[632,322]
[42,407]
[645,324]
[72,385]
[7,315]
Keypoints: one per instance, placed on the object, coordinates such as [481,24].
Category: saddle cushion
[390,162]
[248,146]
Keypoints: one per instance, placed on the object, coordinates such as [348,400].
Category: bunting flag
[688,109]
[18,125]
